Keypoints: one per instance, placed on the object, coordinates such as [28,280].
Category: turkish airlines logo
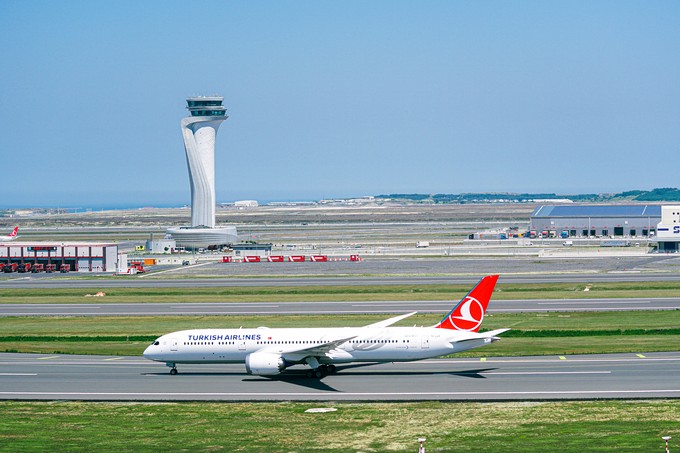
[469,315]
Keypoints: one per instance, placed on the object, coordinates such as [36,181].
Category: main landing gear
[173,368]
[321,371]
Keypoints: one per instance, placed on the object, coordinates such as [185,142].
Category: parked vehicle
[138,265]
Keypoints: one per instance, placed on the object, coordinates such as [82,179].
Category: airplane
[10,237]
[269,351]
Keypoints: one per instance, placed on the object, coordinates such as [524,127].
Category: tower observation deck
[206,106]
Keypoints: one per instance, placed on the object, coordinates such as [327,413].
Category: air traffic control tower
[199,131]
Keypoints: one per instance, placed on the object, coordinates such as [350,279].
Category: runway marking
[18,374]
[445,304]
[585,301]
[48,358]
[641,356]
[546,372]
[115,358]
[225,305]
[563,357]
[44,306]
[586,308]
[199,312]
[550,359]
[338,395]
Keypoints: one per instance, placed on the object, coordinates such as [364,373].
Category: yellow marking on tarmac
[483,359]
[563,357]
[641,356]
[115,358]
[50,357]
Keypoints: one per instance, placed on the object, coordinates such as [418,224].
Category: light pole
[667,438]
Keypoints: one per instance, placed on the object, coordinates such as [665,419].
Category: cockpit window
[156,343]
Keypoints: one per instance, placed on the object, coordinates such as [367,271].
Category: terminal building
[70,256]
[595,220]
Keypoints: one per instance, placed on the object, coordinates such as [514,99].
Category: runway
[317,307]
[100,378]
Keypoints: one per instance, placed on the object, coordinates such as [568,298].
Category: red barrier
[296,258]
[276,259]
[319,258]
[252,259]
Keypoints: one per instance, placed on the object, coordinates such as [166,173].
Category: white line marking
[197,312]
[18,374]
[44,306]
[578,302]
[221,304]
[337,395]
[546,372]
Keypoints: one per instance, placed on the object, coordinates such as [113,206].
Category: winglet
[389,322]
[468,314]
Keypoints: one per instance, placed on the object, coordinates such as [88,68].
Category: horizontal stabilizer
[494,333]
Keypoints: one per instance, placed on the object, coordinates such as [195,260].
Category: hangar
[595,220]
[74,256]
[668,230]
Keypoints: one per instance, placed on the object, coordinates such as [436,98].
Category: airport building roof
[597,211]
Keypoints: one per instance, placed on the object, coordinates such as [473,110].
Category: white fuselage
[361,344]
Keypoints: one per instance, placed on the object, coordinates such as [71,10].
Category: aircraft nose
[151,352]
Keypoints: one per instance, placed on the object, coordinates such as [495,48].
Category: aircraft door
[425,342]
[173,344]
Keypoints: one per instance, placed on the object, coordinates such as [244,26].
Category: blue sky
[338,99]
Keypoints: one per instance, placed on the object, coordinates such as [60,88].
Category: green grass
[337,293]
[598,426]
[155,325]
[532,334]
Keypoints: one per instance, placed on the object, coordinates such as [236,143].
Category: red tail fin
[468,314]
[14,233]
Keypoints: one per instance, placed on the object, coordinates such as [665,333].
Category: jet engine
[264,363]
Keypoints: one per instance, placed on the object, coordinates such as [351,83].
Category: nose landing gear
[173,368]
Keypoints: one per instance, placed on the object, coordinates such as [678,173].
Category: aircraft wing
[297,353]
[389,322]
